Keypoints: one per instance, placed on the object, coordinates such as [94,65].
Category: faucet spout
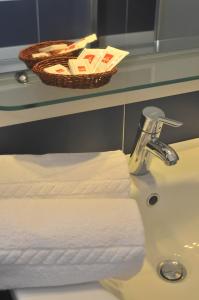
[166,153]
[148,143]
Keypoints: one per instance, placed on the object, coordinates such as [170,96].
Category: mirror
[176,25]
[125,24]
[141,26]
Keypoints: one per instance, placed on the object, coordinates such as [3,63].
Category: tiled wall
[29,21]
[83,132]
[19,23]
[125,16]
[100,130]
[64,18]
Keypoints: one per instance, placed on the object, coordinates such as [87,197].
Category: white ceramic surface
[171,226]
[90,291]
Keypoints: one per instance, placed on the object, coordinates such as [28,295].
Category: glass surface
[134,73]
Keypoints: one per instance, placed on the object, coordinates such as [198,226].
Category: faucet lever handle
[170,122]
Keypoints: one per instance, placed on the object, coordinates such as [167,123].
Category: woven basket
[26,54]
[86,81]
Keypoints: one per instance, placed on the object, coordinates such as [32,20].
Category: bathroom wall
[174,19]
[100,130]
[177,25]
[26,22]
[125,16]
[37,20]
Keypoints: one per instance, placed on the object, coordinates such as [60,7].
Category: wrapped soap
[93,56]
[58,69]
[41,54]
[59,52]
[81,43]
[111,57]
[91,38]
[54,47]
[79,66]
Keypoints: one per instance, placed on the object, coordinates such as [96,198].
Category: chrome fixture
[148,143]
[172,270]
[152,199]
[21,77]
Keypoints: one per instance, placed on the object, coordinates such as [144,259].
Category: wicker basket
[26,54]
[86,81]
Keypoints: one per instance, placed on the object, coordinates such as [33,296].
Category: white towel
[64,175]
[67,219]
[53,242]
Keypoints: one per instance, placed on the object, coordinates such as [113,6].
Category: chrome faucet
[148,143]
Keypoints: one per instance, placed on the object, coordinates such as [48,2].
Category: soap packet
[55,47]
[40,55]
[80,43]
[64,48]
[93,56]
[111,57]
[79,66]
[58,69]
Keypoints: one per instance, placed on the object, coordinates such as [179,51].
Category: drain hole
[152,199]
[171,270]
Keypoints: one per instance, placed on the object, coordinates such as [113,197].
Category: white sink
[171,227]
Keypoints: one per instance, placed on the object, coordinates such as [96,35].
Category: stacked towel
[64,175]
[51,235]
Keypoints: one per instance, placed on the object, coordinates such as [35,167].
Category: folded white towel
[59,175]
[56,242]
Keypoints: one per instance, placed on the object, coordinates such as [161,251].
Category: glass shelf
[134,73]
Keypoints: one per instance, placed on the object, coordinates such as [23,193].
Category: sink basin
[171,227]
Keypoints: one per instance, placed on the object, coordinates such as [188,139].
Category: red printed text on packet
[107,58]
[81,68]
[90,57]
[59,70]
